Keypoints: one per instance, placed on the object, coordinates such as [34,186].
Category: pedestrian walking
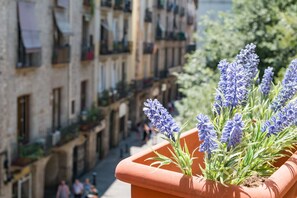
[63,190]
[87,187]
[78,189]
[94,193]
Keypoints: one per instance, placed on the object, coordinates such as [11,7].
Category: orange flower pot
[147,181]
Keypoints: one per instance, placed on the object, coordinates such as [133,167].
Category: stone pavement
[108,186]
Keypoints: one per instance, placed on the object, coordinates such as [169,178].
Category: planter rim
[175,183]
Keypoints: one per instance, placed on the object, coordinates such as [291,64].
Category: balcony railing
[104,48]
[61,54]
[26,60]
[87,52]
[118,5]
[128,6]
[121,47]
[90,119]
[110,96]
[68,133]
[32,151]
[148,16]
[148,48]
[87,3]
[182,11]
[106,3]
[191,48]
[182,36]
[190,20]
[160,4]
[169,6]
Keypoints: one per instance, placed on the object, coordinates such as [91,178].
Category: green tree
[270,24]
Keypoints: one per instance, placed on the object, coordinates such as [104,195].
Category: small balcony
[190,20]
[148,48]
[128,6]
[118,5]
[104,48]
[106,3]
[148,18]
[87,53]
[121,47]
[87,3]
[28,153]
[61,54]
[182,36]
[169,6]
[123,89]
[191,48]
[26,60]
[160,4]
[90,119]
[68,133]
[176,9]
[182,11]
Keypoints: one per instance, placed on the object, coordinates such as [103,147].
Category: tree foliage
[270,24]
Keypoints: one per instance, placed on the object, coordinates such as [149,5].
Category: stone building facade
[73,77]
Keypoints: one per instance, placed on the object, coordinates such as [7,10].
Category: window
[62,31]
[104,31]
[29,45]
[73,106]
[23,118]
[156,68]
[56,109]
[87,40]
[113,75]
[83,95]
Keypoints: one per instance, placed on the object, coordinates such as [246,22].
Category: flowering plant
[251,125]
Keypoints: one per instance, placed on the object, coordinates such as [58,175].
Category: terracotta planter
[147,181]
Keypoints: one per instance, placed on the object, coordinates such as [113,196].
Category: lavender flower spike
[218,104]
[289,87]
[232,132]
[266,81]
[160,118]
[207,134]
[249,60]
[236,90]
[285,118]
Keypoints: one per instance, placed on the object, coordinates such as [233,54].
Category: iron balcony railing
[160,4]
[106,3]
[118,5]
[87,52]
[61,54]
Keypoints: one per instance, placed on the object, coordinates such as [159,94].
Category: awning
[62,22]
[28,28]
[63,3]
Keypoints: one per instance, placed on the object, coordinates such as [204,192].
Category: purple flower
[249,60]
[266,81]
[223,65]
[289,87]
[282,119]
[207,134]
[236,89]
[160,118]
[232,132]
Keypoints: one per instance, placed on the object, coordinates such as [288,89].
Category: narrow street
[108,186]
